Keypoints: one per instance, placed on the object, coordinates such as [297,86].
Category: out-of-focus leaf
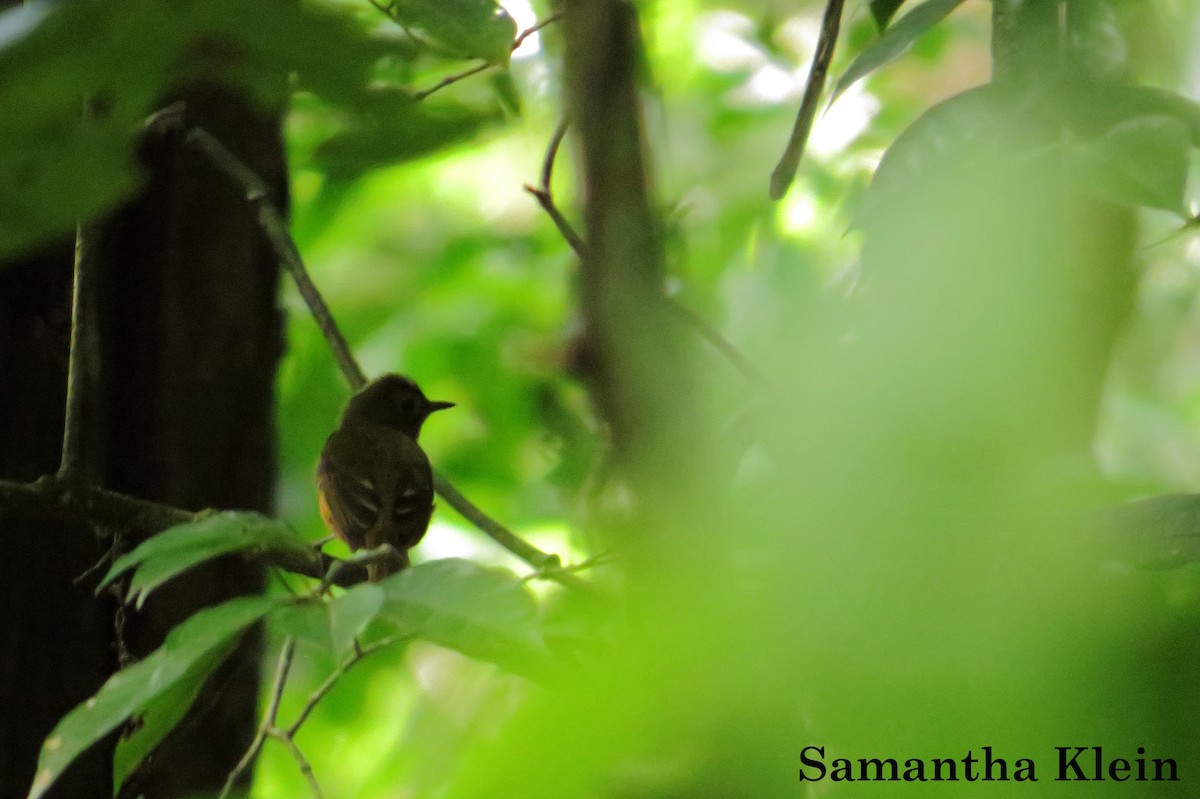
[191,650]
[970,123]
[882,11]
[895,40]
[468,28]
[179,548]
[392,128]
[506,91]
[1096,106]
[1160,532]
[120,59]
[485,613]
[1139,162]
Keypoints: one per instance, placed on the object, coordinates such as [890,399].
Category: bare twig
[268,723]
[81,364]
[475,70]
[718,341]
[325,687]
[272,222]
[301,762]
[785,171]
[571,568]
[545,197]
[452,79]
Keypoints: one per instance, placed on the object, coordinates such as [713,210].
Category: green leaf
[390,128]
[191,649]
[485,613]
[895,40]
[1142,161]
[350,614]
[178,548]
[120,58]
[468,28]
[882,12]
[306,621]
[506,92]
[160,715]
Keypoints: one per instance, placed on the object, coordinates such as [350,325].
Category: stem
[273,224]
[324,688]
[80,366]
[785,171]
[268,723]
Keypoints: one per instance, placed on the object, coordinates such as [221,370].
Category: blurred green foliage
[904,565]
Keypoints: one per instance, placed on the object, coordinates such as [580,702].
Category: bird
[374,482]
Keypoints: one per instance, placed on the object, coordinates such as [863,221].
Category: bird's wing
[376,487]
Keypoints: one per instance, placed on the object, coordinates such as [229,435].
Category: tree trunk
[189,339]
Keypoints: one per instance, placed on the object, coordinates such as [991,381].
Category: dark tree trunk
[190,337]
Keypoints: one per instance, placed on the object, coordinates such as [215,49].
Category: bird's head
[392,401]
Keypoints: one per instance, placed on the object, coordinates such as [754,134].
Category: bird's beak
[437,405]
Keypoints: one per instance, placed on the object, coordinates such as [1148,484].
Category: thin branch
[81,364]
[272,222]
[301,762]
[785,172]
[718,341]
[268,723]
[325,687]
[51,498]
[571,568]
[545,197]
[475,70]
[452,79]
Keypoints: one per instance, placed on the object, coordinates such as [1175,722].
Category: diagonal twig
[273,224]
[74,467]
[785,171]
[268,723]
[325,687]
[475,70]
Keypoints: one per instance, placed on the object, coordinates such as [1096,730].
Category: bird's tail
[377,571]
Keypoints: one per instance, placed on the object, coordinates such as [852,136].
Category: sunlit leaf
[895,40]
[192,649]
[179,548]
[485,613]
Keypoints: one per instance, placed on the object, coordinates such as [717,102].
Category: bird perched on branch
[374,482]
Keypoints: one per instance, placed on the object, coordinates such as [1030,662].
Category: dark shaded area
[55,637]
[189,338]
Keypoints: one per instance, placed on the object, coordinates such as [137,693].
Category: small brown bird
[374,482]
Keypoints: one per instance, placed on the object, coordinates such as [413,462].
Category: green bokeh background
[906,563]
